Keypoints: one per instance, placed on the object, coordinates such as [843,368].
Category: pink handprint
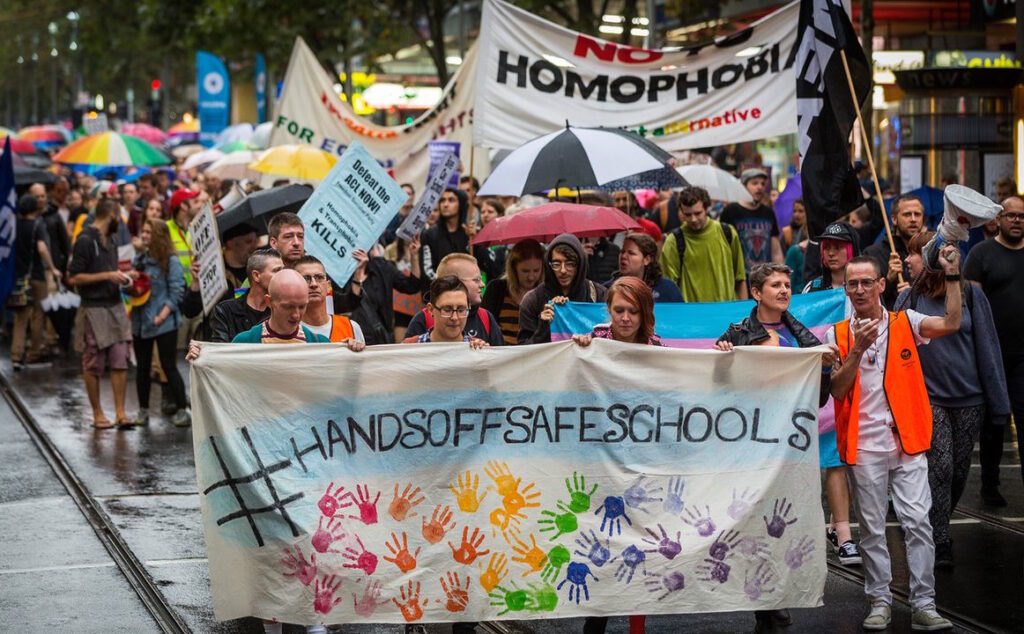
[361,559]
[330,502]
[296,565]
[323,592]
[367,509]
[366,606]
[327,535]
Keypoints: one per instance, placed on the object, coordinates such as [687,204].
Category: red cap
[181,195]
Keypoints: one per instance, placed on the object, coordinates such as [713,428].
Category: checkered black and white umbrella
[574,158]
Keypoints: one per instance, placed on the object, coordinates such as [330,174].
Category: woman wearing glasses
[565,279]
[449,306]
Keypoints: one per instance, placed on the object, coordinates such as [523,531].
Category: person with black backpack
[704,257]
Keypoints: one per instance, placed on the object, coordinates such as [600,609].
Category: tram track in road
[121,554]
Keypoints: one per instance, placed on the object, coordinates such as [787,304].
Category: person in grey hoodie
[966,383]
[565,279]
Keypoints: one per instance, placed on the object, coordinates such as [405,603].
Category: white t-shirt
[325,330]
[875,421]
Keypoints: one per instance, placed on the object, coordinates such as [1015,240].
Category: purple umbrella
[784,203]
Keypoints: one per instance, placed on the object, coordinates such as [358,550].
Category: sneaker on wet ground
[928,620]
[142,418]
[849,554]
[879,617]
[182,418]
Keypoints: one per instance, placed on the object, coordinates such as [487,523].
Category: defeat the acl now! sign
[507,483]
[533,76]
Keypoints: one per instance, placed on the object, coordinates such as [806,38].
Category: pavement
[55,574]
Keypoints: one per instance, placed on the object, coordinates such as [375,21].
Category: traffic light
[155,103]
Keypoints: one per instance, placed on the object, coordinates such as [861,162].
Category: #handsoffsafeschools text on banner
[507,483]
[533,75]
[349,210]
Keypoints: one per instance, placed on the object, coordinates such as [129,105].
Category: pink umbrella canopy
[144,131]
[545,222]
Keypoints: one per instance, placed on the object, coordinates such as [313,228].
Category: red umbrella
[21,146]
[545,222]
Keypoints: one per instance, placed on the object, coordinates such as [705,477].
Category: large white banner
[437,483]
[533,76]
[310,112]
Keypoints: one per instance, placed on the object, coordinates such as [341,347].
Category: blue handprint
[674,500]
[597,553]
[638,495]
[614,509]
[576,575]
[632,557]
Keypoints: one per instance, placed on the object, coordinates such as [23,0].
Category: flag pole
[871,160]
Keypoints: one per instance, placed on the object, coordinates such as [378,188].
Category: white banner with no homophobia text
[206,250]
[507,483]
[534,75]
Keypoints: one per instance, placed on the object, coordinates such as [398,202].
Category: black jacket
[750,332]
[376,313]
[231,317]
[60,243]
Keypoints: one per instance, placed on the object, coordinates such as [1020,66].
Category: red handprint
[458,597]
[405,560]
[402,504]
[361,559]
[366,606]
[435,529]
[467,550]
[367,509]
[325,536]
[410,605]
[296,565]
[330,502]
[324,600]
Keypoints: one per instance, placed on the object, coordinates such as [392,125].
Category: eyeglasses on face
[563,265]
[448,311]
[852,285]
[319,278]
[1010,217]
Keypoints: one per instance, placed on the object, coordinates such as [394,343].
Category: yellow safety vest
[183,248]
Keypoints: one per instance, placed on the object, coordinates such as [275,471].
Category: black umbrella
[257,209]
[25,175]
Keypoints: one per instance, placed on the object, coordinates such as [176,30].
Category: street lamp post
[73,46]
[21,83]
[35,78]
[52,28]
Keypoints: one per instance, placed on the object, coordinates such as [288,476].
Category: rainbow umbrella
[144,131]
[45,136]
[7,132]
[111,149]
[184,127]
[19,145]
[295,162]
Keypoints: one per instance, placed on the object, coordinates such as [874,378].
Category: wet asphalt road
[55,575]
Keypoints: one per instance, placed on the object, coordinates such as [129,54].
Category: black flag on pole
[825,111]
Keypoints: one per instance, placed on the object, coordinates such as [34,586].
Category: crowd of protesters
[908,432]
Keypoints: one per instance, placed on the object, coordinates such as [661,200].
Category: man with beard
[998,265]
[908,221]
[755,221]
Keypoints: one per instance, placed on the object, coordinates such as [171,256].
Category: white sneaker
[928,620]
[879,617]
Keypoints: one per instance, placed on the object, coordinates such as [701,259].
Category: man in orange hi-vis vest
[884,428]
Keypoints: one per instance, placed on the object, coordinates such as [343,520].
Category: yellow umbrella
[295,162]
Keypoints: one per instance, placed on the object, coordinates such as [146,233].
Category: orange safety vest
[341,329]
[904,390]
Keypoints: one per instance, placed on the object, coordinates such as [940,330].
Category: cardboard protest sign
[438,150]
[507,483]
[349,211]
[416,221]
[206,250]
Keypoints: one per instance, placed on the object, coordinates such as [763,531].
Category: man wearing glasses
[449,307]
[998,265]
[337,328]
[884,428]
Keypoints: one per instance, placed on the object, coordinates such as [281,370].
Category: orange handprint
[531,555]
[505,482]
[410,605]
[516,500]
[405,560]
[467,550]
[435,529]
[466,494]
[501,518]
[402,504]
[497,569]
[458,597]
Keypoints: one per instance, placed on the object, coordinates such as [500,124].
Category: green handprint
[543,598]
[579,498]
[565,523]
[557,557]
[512,600]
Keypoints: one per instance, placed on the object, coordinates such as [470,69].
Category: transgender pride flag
[700,325]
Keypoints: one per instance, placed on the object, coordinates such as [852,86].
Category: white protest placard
[97,124]
[349,211]
[416,221]
[213,281]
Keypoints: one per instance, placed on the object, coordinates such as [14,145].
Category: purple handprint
[632,557]
[637,495]
[669,582]
[798,551]
[701,521]
[674,498]
[597,553]
[753,547]
[713,570]
[664,545]
[576,575]
[761,582]
[367,509]
[780,518]
[723,545]
[741,504]
[614,508]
